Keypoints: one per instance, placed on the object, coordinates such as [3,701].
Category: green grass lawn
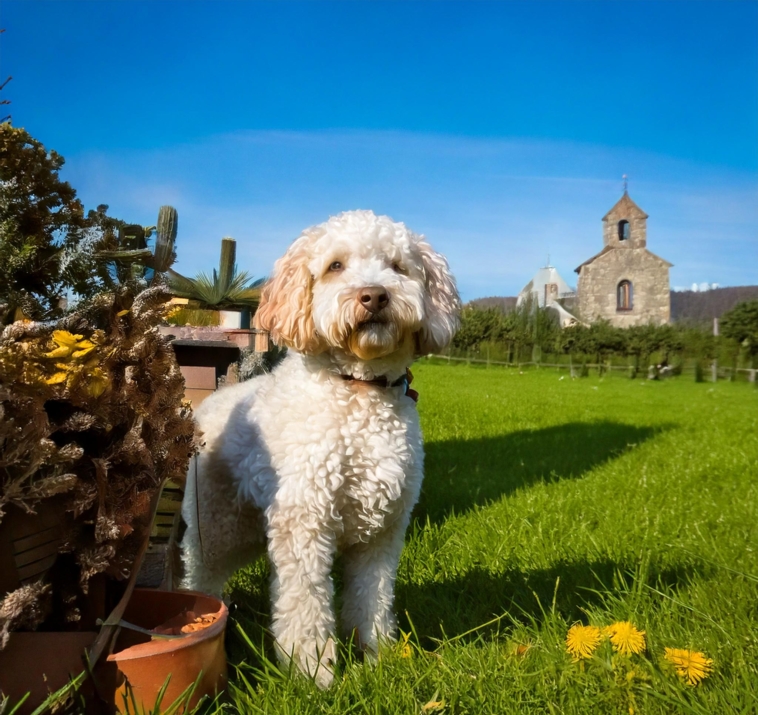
[548,502]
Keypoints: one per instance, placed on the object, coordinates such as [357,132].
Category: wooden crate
[28,545]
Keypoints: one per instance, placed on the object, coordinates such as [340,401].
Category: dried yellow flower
[581,641]
[63,337]
[56,379]
[625,638]
[62,351]
[83,347]
[97,383]
[69,345]
[689,664]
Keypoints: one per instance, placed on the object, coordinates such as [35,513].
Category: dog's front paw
[313,660]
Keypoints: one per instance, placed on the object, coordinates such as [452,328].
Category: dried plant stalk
[91,415]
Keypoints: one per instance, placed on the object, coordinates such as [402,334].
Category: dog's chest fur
[349,453]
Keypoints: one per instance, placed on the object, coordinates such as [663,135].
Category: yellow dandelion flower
[581,641]
[689,664]
[404,646]
[625,638]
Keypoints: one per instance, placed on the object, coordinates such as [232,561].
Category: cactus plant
[227,264]
[146,264]
[166,230]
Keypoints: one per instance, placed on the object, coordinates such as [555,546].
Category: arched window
[624,296]
[624,230]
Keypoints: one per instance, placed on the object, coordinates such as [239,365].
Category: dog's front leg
[301,551]
[370,570]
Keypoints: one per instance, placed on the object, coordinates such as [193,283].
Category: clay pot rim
[160,646]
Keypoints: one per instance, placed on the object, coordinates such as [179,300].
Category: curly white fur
[306,463]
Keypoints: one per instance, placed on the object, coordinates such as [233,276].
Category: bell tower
[625,225]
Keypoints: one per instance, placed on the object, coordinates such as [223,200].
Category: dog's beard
[374,338]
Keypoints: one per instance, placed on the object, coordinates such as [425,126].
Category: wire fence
[712,372]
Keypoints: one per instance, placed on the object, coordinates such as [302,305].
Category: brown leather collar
[382,381]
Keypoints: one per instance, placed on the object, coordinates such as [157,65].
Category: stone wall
[649,275]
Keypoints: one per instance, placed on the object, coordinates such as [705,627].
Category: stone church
[624,283]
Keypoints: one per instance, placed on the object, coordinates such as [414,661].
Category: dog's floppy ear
[285,309]
[442,305]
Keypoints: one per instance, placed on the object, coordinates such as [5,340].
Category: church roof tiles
[629,207]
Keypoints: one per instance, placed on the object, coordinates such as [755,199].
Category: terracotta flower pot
[144,663]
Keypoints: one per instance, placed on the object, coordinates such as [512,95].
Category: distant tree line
[529,333]
[702,307]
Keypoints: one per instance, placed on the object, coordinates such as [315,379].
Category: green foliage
[40,219]
[548,502]
[516,331]
[192,316]
[478,326]
[528,331]
[224,289]
[741,324]
[49,248]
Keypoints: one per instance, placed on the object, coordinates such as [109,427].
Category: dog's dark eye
[398,268]
[336,266]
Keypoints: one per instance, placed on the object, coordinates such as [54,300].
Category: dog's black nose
[373,298]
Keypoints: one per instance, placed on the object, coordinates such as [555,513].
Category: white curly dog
[324,454]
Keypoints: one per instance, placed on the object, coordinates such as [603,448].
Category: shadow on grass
[455,607]
[460,474]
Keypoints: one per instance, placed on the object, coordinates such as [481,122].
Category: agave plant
[226,288]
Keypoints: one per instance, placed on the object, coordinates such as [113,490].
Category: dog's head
[363,284]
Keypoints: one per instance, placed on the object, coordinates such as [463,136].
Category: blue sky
[500,130]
